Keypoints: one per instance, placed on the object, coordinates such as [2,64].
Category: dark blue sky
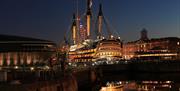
[49,19]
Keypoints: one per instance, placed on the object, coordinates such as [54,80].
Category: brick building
[156,48]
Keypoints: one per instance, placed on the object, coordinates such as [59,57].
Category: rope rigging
[94,31]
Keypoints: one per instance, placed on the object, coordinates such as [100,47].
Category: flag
[90,3]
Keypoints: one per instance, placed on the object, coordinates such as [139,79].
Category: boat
[113,87]
[85,49]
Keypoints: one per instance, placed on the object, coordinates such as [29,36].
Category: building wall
[23,58]
[129,50]
[161,46]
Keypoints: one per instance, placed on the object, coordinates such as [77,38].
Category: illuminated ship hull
[103,50]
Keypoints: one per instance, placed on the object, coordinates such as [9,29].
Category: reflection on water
[140,86]
[141,82]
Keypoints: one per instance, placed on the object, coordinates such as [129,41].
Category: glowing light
[81,26]
[47,67]
[70,63]
[32,68]
[88,25]
[168,81]
[16,67]
[178,43]
[168,54]
[93,64]
[112,36]
[103,89]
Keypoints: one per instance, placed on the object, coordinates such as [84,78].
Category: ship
[83,48]
[112,86]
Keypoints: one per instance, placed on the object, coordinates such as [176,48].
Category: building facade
[18,51]
[157,48]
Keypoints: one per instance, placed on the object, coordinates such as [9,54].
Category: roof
[10,43]
[18,38]
[155,39]
[165,38]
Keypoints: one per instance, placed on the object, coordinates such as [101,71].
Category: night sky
[50,19]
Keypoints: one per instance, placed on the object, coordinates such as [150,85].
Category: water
[141,82]
[141,86]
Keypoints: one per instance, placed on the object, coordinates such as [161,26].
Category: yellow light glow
[88,25]
[74,34]
[146,55]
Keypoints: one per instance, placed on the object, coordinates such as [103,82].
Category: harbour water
[142,82]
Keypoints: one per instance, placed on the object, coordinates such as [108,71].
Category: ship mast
[77,21]
[75,25]
[88,18]
[74,30]
[100,21]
